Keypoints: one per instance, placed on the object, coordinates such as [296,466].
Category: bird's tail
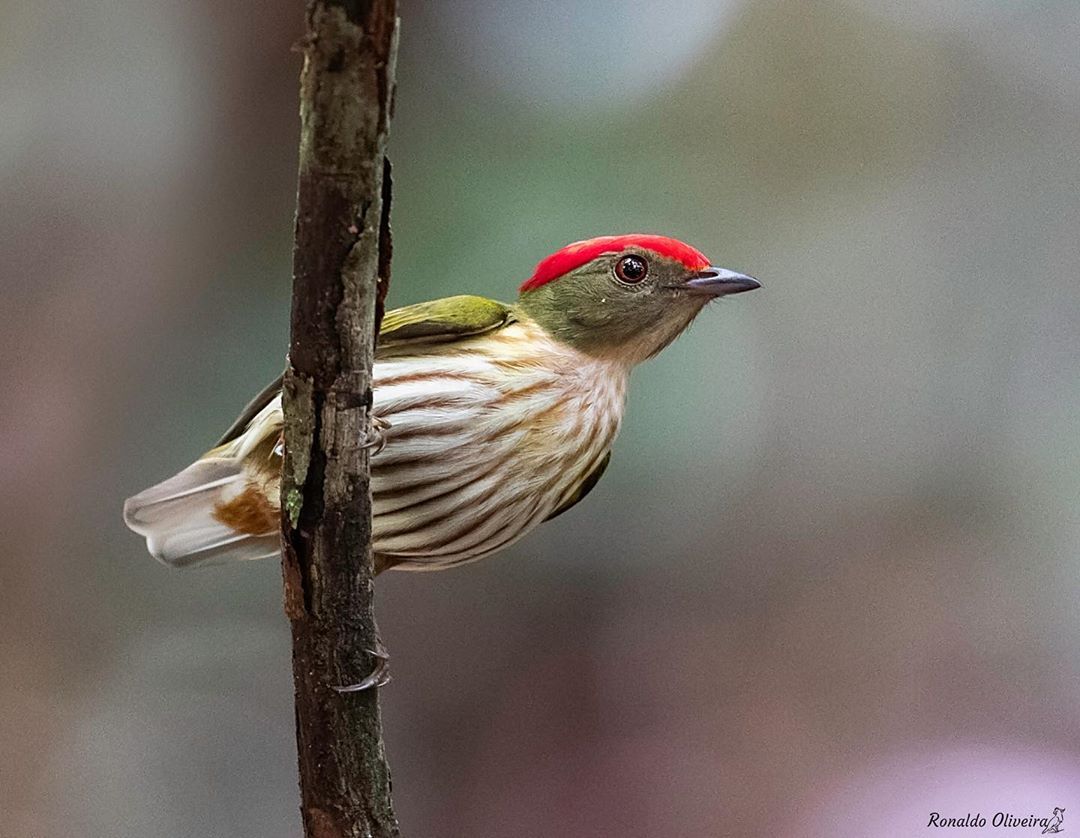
[222,507]
[184,518]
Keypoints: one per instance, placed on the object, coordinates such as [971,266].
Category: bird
[489,418]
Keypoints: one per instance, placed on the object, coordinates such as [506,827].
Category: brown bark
[341,265]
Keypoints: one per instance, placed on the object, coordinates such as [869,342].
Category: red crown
[573,256]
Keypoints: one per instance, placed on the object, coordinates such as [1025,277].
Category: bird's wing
[448,319]
[251,410]
[586,486]
[445,320]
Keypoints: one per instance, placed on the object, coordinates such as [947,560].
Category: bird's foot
[375,440]
[379,676]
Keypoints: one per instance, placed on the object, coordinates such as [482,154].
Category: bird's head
[626,296]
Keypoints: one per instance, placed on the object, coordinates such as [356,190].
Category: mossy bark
[341,265]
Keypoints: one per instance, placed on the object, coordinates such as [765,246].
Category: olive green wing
[586,486]
[448,319]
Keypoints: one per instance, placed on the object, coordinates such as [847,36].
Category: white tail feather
[177,517]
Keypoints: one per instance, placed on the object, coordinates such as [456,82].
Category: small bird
[492,418]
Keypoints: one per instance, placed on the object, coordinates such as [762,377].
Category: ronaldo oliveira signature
[1048,825]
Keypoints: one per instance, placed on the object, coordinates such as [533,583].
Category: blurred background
[829,583]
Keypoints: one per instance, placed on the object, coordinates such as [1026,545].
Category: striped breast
[485,441]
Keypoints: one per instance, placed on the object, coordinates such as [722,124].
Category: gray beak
[719,282]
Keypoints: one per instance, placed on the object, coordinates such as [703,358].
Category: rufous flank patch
[249,513]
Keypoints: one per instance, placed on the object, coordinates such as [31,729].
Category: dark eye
[631,269]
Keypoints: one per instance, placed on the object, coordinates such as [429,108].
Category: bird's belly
[477,455]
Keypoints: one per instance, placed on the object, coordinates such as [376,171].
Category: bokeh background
[829,583]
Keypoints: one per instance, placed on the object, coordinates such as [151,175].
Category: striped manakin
[492,417]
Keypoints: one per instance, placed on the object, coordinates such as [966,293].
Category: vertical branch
[341,264]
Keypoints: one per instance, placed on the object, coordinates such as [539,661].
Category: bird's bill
[718,282]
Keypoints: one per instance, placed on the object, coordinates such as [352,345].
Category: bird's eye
[631,269]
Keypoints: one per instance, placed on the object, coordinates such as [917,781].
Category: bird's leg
[379,676]
[376,435]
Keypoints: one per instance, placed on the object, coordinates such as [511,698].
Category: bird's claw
[378,677]
[375,440]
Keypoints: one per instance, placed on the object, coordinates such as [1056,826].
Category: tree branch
[341,268]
